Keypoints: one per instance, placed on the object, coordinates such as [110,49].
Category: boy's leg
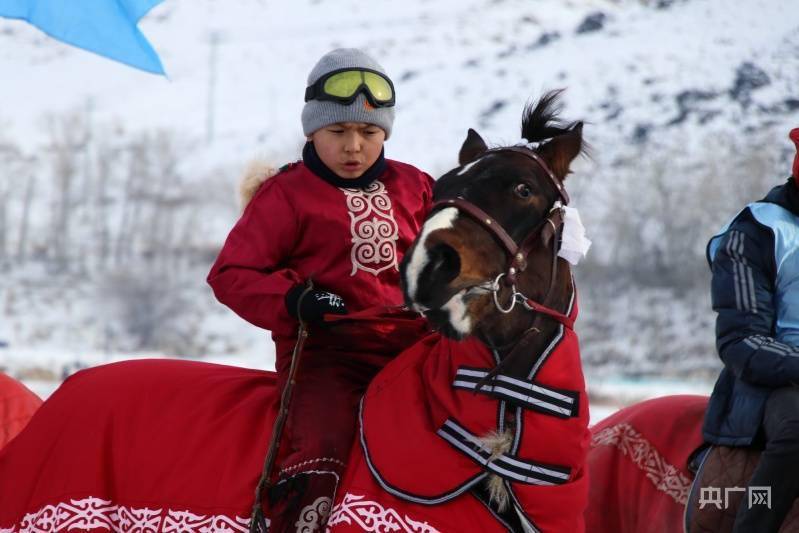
[778,469]
[319,433]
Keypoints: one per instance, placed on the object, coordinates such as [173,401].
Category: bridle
[547,231]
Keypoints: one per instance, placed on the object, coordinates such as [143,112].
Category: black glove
[314,305]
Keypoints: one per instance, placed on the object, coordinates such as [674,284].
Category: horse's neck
[547,328]
[521,367]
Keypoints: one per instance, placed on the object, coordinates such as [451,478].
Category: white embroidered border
[373,517]
[313,516]
[664,476]
[92,513]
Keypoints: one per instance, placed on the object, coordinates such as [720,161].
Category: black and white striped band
[503,465]
[557,402]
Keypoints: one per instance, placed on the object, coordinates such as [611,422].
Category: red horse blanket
[422,424]
[639,465]
[141,446]
[159,445]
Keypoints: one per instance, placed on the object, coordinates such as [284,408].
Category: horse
[479,425]
[501,429]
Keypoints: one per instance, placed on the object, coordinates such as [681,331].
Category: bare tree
[150,309]
[68,135]
[665,205]
[105,159]
[30,177]
[8,154]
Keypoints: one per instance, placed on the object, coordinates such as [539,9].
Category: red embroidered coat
[350,241]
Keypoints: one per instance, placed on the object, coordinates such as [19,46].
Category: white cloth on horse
[574,244]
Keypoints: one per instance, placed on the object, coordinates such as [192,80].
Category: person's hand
[314,305]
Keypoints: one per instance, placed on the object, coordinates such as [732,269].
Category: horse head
[491,240]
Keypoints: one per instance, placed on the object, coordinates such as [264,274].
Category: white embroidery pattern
[93,513]
[314,516]
[664,476]
[370,516]
[374,230]
[333,300]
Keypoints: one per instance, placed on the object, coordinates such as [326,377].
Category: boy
[344,217]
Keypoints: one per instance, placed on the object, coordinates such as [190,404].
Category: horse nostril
[444,264]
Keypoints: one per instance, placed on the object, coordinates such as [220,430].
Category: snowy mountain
[634,70]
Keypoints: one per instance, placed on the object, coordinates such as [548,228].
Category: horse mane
[540,121]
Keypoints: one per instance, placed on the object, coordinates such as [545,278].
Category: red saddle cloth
[160,445]
[148,445]
[17,405]
[421,419]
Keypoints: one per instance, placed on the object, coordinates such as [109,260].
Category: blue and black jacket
[755,291]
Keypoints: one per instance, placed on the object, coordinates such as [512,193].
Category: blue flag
[105,27]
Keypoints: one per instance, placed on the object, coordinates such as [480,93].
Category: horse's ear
[561,150]
[473,146]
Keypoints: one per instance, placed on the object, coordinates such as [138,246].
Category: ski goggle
[344,86]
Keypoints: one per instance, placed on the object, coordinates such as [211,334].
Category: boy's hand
[314,305]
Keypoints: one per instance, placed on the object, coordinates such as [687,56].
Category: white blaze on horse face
[442,220]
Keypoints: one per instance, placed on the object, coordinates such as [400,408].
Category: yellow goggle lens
[379,87]
[343,84]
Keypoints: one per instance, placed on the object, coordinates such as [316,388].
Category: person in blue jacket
[755,291]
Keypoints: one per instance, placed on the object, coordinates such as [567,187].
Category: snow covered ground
[684,84]
[608,395]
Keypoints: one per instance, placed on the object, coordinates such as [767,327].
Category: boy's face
[349,148]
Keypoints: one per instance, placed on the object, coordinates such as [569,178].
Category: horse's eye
[523,190]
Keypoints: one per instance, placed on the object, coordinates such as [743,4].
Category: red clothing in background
[17,405]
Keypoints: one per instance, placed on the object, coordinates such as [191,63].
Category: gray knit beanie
[318,114]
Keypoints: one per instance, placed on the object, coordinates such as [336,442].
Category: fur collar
[256,173]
